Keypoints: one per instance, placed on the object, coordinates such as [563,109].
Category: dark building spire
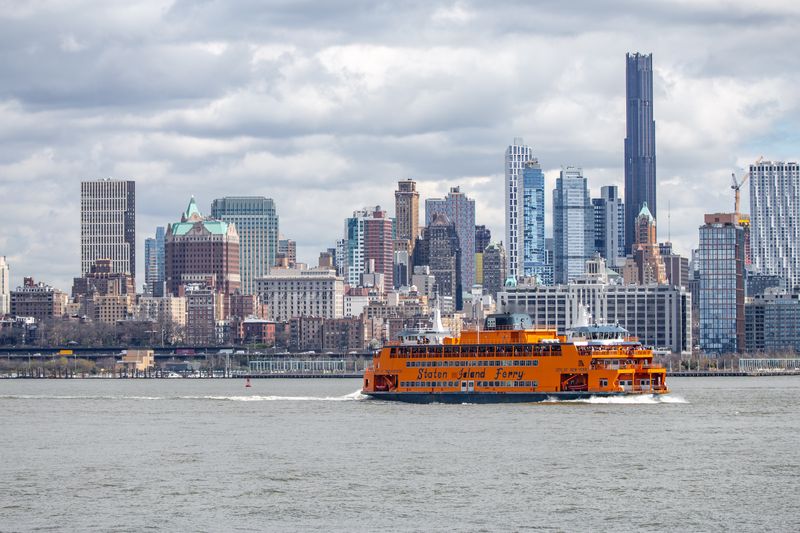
[640,141]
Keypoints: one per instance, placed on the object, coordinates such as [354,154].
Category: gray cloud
[323,106]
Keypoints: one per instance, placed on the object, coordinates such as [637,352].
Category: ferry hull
[490,397]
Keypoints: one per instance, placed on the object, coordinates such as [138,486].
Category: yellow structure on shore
[138,360]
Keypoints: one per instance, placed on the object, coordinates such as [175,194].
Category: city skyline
[470,92]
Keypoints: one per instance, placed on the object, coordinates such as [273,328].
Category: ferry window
[535,384]
[535,362]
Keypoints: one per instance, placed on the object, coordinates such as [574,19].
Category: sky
[323,106]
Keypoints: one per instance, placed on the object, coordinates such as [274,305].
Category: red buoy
[247,383]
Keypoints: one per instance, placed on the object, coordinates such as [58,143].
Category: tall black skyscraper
[640,141]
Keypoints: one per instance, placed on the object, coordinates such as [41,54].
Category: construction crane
[737,184]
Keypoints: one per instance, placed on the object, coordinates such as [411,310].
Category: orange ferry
[506,363]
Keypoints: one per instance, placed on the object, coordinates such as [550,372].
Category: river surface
[721,454]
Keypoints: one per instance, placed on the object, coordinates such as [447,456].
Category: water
[719,454]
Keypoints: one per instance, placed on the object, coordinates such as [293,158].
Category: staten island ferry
[511,361]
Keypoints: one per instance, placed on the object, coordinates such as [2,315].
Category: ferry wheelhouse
[510,361]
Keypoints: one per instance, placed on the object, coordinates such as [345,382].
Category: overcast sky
[324,105]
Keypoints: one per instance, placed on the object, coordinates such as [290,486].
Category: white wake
[639,399]
[233,398]
[353,396]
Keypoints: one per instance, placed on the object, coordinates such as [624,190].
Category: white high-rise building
[573,225]
[775,220]
[108,224]
[353,256]
[5,287]
[517,154]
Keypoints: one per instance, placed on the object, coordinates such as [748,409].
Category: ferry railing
[622,366]
[613,351]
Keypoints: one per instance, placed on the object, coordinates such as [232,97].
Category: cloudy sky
[324,105]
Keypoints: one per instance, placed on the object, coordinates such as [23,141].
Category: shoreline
[692,374]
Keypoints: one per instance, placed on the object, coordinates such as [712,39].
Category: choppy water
[719,454]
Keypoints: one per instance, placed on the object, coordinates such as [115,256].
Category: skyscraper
[517,154]
[5,287]
[460,210]
[201,250]
[367,236]
[154,271]
[406,212]
[609,226]
[379,245]
[257,225]
[721,292]
[494,268]
[439,249]
[573,225]
[775,220]
[640,141]
[534,262]
[108,224]
[483,237]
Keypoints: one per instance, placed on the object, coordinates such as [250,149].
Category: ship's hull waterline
[497,397]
